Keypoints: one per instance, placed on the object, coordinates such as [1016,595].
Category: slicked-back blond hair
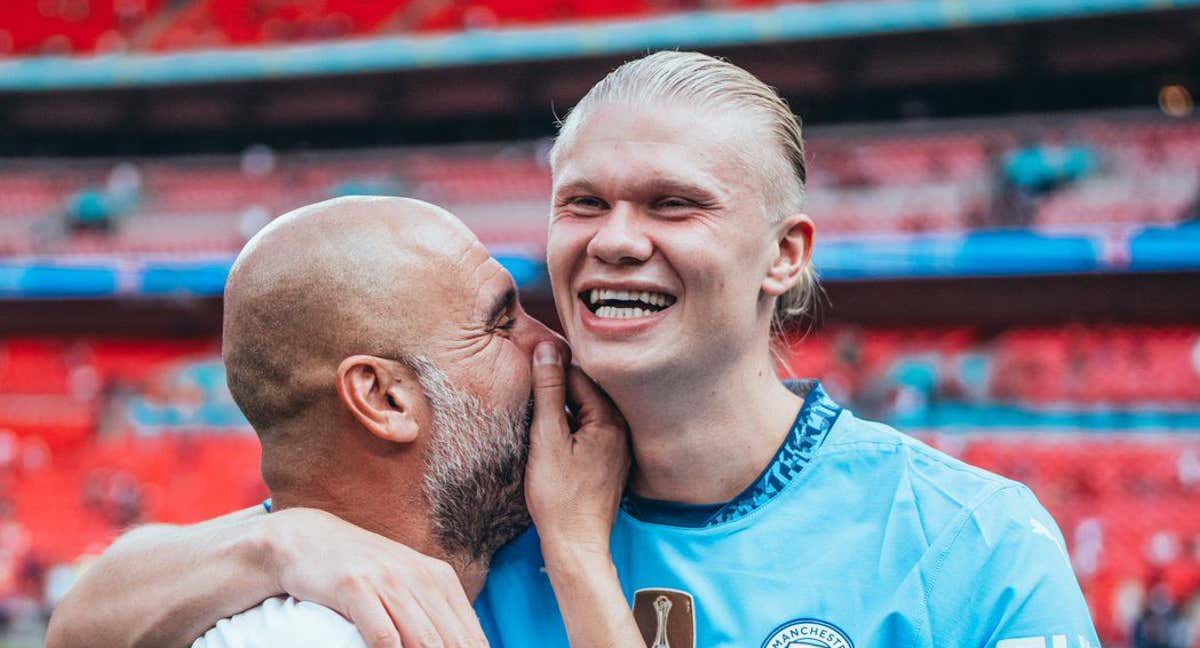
[712,84]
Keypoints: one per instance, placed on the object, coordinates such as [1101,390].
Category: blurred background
[1007,195]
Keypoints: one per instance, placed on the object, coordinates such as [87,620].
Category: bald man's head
[342,277]
[380,351]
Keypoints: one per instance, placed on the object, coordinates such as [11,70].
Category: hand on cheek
[575,478]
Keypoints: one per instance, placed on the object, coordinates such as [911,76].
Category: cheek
[499,374]
[513,375]
[720,273]
[706,263]
[566,247]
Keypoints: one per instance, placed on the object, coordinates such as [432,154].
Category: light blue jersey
[856,536]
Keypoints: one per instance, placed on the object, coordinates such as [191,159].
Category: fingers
[374,623]
[549,392]
[591,404]
[548,381]
[445,622]
[417,630]
[451,613]
[468,620]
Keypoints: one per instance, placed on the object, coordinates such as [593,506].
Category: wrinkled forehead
[467,281]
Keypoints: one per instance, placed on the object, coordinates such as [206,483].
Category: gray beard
[475,473]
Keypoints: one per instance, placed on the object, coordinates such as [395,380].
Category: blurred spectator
[59,579]
[1160,624]
[1039,167]
[14,549]
[125,183]
[254,218]
[91,210]
[1087,547]
[99,209]
[117,495]
[1010,207]
[370,187]
[258,161]
[1192,212]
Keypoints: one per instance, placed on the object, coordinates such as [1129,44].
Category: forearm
[590,598]
[166,585]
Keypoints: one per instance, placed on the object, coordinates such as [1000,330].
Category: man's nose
[535,333]
[619,239]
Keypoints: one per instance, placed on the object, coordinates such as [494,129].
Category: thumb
[549,390]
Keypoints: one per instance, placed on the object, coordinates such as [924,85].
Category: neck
[403,516]
[704,439]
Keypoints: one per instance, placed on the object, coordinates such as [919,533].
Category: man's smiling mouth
[607,303]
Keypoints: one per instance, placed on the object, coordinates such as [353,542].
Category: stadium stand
[97,434]
[99,26]
[61,27]
[1141,173]
[1096,420]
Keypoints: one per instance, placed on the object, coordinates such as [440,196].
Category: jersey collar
[812,424]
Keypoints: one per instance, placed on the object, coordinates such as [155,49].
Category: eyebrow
[502,304]
[657,186]
[678,188]
[575,186]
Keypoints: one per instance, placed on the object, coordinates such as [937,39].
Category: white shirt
[283,621]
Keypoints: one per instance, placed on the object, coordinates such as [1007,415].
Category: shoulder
[933,476]
[974,524]
[992,560]
[896,472]
[281,621]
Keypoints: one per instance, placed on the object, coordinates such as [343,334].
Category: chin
[613,367]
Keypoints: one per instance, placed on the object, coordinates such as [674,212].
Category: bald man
[383,359]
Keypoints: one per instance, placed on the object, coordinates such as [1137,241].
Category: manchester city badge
[806,633]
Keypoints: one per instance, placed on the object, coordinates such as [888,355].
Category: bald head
[337,278]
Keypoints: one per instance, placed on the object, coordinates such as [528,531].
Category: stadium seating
[1082,367]
[98,434]
[98,26]
[860,185]
[72,26]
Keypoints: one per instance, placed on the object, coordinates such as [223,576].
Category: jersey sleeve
[1006,581]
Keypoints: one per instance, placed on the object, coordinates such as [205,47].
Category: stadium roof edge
[697,29]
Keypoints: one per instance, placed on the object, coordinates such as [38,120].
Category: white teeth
[598,295]
[613,312]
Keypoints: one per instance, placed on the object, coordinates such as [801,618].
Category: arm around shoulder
[164,585]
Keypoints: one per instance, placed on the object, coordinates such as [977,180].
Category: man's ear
[794,253]
[384,395]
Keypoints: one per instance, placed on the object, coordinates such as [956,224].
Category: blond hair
[710,83]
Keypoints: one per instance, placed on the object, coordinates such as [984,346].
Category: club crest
[666,617]
[807,632]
